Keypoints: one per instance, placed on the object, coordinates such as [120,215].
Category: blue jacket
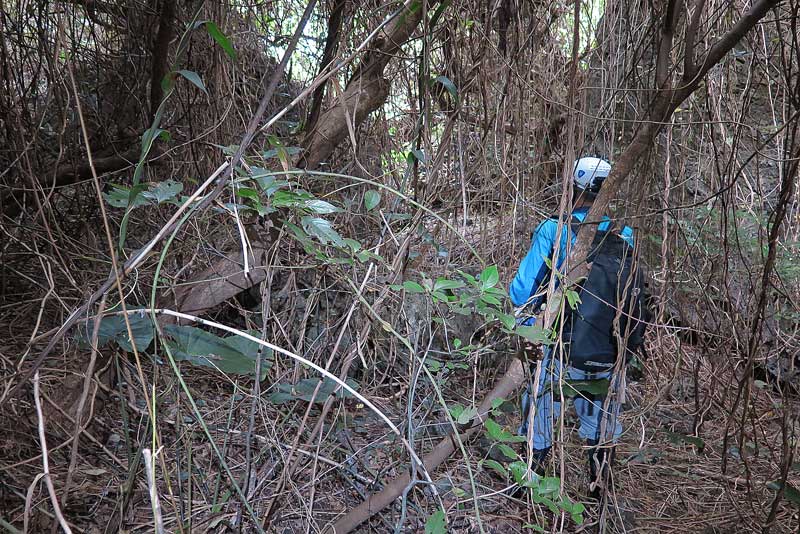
[533,271]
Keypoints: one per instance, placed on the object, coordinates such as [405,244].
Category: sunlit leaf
[320,206]
[489,277]
[413,287]
[216,34]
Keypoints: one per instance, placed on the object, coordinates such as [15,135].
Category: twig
[45,463]
[149,469]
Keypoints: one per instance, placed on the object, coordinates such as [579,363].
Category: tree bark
[160,53]
[331,44]
[365,92]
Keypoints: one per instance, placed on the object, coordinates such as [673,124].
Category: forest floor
[667,474]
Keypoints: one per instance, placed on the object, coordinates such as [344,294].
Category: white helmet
[590,173]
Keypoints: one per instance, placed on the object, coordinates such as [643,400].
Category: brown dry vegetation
[463,115]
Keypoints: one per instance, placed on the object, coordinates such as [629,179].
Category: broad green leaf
[489,277]
[488,299]
[507,320]
[371,199]
[498,433]
[304,390]
[291,199]
[321,207]
[496,466]
[598,388]
[519,471]
[413,287]
[444,283]
[354,245]
[281,152]
[194,78]
[436,524]
[466,415]
[322,230]
[113,328]
[216,34]
[164,191]
[456,409]
[535,334]
[118,196]
[548,485]
[507,451]
[230,355]
[246,192]
[449,86]
[790,493]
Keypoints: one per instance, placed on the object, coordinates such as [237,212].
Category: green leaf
[507,451]
[519,471]
[231,355]
[790,493]
[371,199]
[442,284]
[449,85]
[436,523]
[281,152]
[322,230]
[164,191]
[456,409]
[548,485]
[194,78]
[590,387]
[573,298]
[118,196]
[535,334]
[489,277]
[488,299]
[113,328]
[496,466]
[216,34]
[498,433]
[246,192]
[304,390]
[321,207]
[466,415]
[413,287]
[507,320]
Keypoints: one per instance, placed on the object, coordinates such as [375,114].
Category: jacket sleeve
[533,269]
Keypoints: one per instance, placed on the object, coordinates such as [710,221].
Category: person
[599,420]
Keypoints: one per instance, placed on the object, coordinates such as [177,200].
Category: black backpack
[615,282]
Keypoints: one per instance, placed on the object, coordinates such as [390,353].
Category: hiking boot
[600,461]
